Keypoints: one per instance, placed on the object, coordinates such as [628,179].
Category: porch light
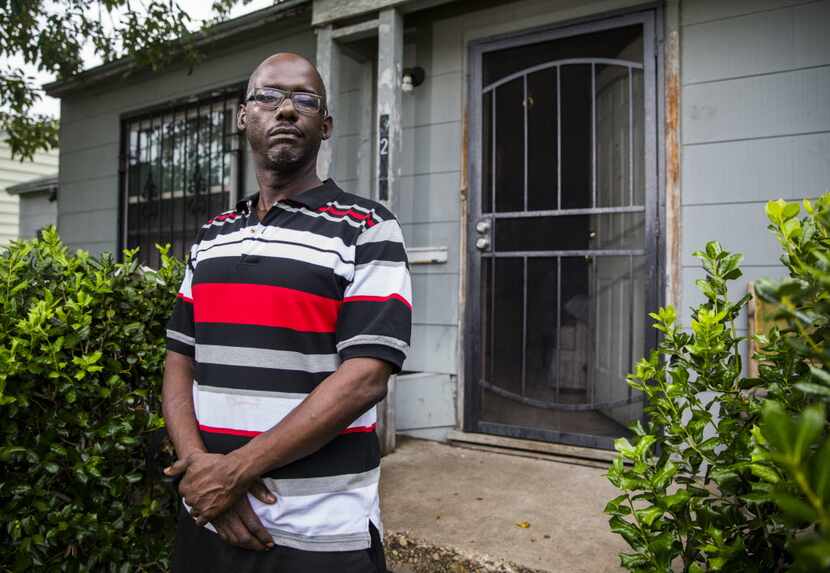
[412,77]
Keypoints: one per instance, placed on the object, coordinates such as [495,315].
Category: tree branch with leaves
[51,37]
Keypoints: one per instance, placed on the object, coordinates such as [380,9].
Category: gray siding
[90,131]
[354,126]
[755,125]
[12,172]
[427,203]
[702,11]
[36,212]
[783,37]
[425,405]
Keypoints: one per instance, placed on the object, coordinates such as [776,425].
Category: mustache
[284,129]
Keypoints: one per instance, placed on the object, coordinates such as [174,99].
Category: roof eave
[40,184]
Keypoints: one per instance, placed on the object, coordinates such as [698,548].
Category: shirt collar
[313,198]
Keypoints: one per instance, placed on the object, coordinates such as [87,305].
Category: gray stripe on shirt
[322,485]
[174,335]
[266,358]
[374,339]
[247,392]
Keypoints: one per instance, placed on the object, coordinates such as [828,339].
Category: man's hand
[212,483]
[240,526]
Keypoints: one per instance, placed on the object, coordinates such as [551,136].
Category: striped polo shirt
[268,309]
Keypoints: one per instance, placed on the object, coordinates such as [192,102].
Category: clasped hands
[214,488]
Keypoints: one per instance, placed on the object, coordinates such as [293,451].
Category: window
[182,165]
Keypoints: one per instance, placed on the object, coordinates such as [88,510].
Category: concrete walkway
[448,508]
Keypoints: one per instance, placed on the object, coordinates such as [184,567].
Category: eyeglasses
[272,98]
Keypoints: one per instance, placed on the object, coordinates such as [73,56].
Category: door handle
[483,231]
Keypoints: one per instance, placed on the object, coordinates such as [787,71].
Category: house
[38,204]
[23,209]
[553,163]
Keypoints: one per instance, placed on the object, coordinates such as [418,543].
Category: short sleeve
[180,328]
[375,319]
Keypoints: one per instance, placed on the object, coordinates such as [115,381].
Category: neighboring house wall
[36,212]
[91,122]
[12,172]
[755,126]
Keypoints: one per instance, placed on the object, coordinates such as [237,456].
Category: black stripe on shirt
[182,318]
[380,251]
[317,224]
[387,318]
[272,241]
[346,454]
[213,231]
[263,270]
[259,379]
[180,347]
[270,337]
[386,353]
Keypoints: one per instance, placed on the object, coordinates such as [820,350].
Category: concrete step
[589,457]
[448,509]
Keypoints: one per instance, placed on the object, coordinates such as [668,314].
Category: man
[294,311]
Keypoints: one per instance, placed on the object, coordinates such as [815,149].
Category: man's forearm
[177,405]
[341,398]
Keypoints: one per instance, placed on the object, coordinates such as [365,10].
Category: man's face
[284,139]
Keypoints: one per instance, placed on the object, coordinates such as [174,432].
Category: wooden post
[390,68]
[761,317]
[386,419]
[328,53]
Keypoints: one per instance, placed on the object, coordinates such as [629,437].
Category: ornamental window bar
[182,165]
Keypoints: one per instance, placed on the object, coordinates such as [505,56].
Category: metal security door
[562,231]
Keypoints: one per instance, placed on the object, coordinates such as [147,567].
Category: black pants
[199,550]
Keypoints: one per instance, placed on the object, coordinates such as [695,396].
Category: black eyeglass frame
[287,94]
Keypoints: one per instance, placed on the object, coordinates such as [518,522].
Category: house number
[383,158]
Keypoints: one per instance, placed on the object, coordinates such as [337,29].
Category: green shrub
[81,355]
[733,473]
[794,441]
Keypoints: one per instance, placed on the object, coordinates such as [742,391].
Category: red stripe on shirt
[264,305]
[184,298]
[353,214]
[231,216]
[251,434]
[367,298]
[359,429]
[228,431]
[342,212]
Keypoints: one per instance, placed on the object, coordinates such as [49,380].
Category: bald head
[285,139]
[286,64]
